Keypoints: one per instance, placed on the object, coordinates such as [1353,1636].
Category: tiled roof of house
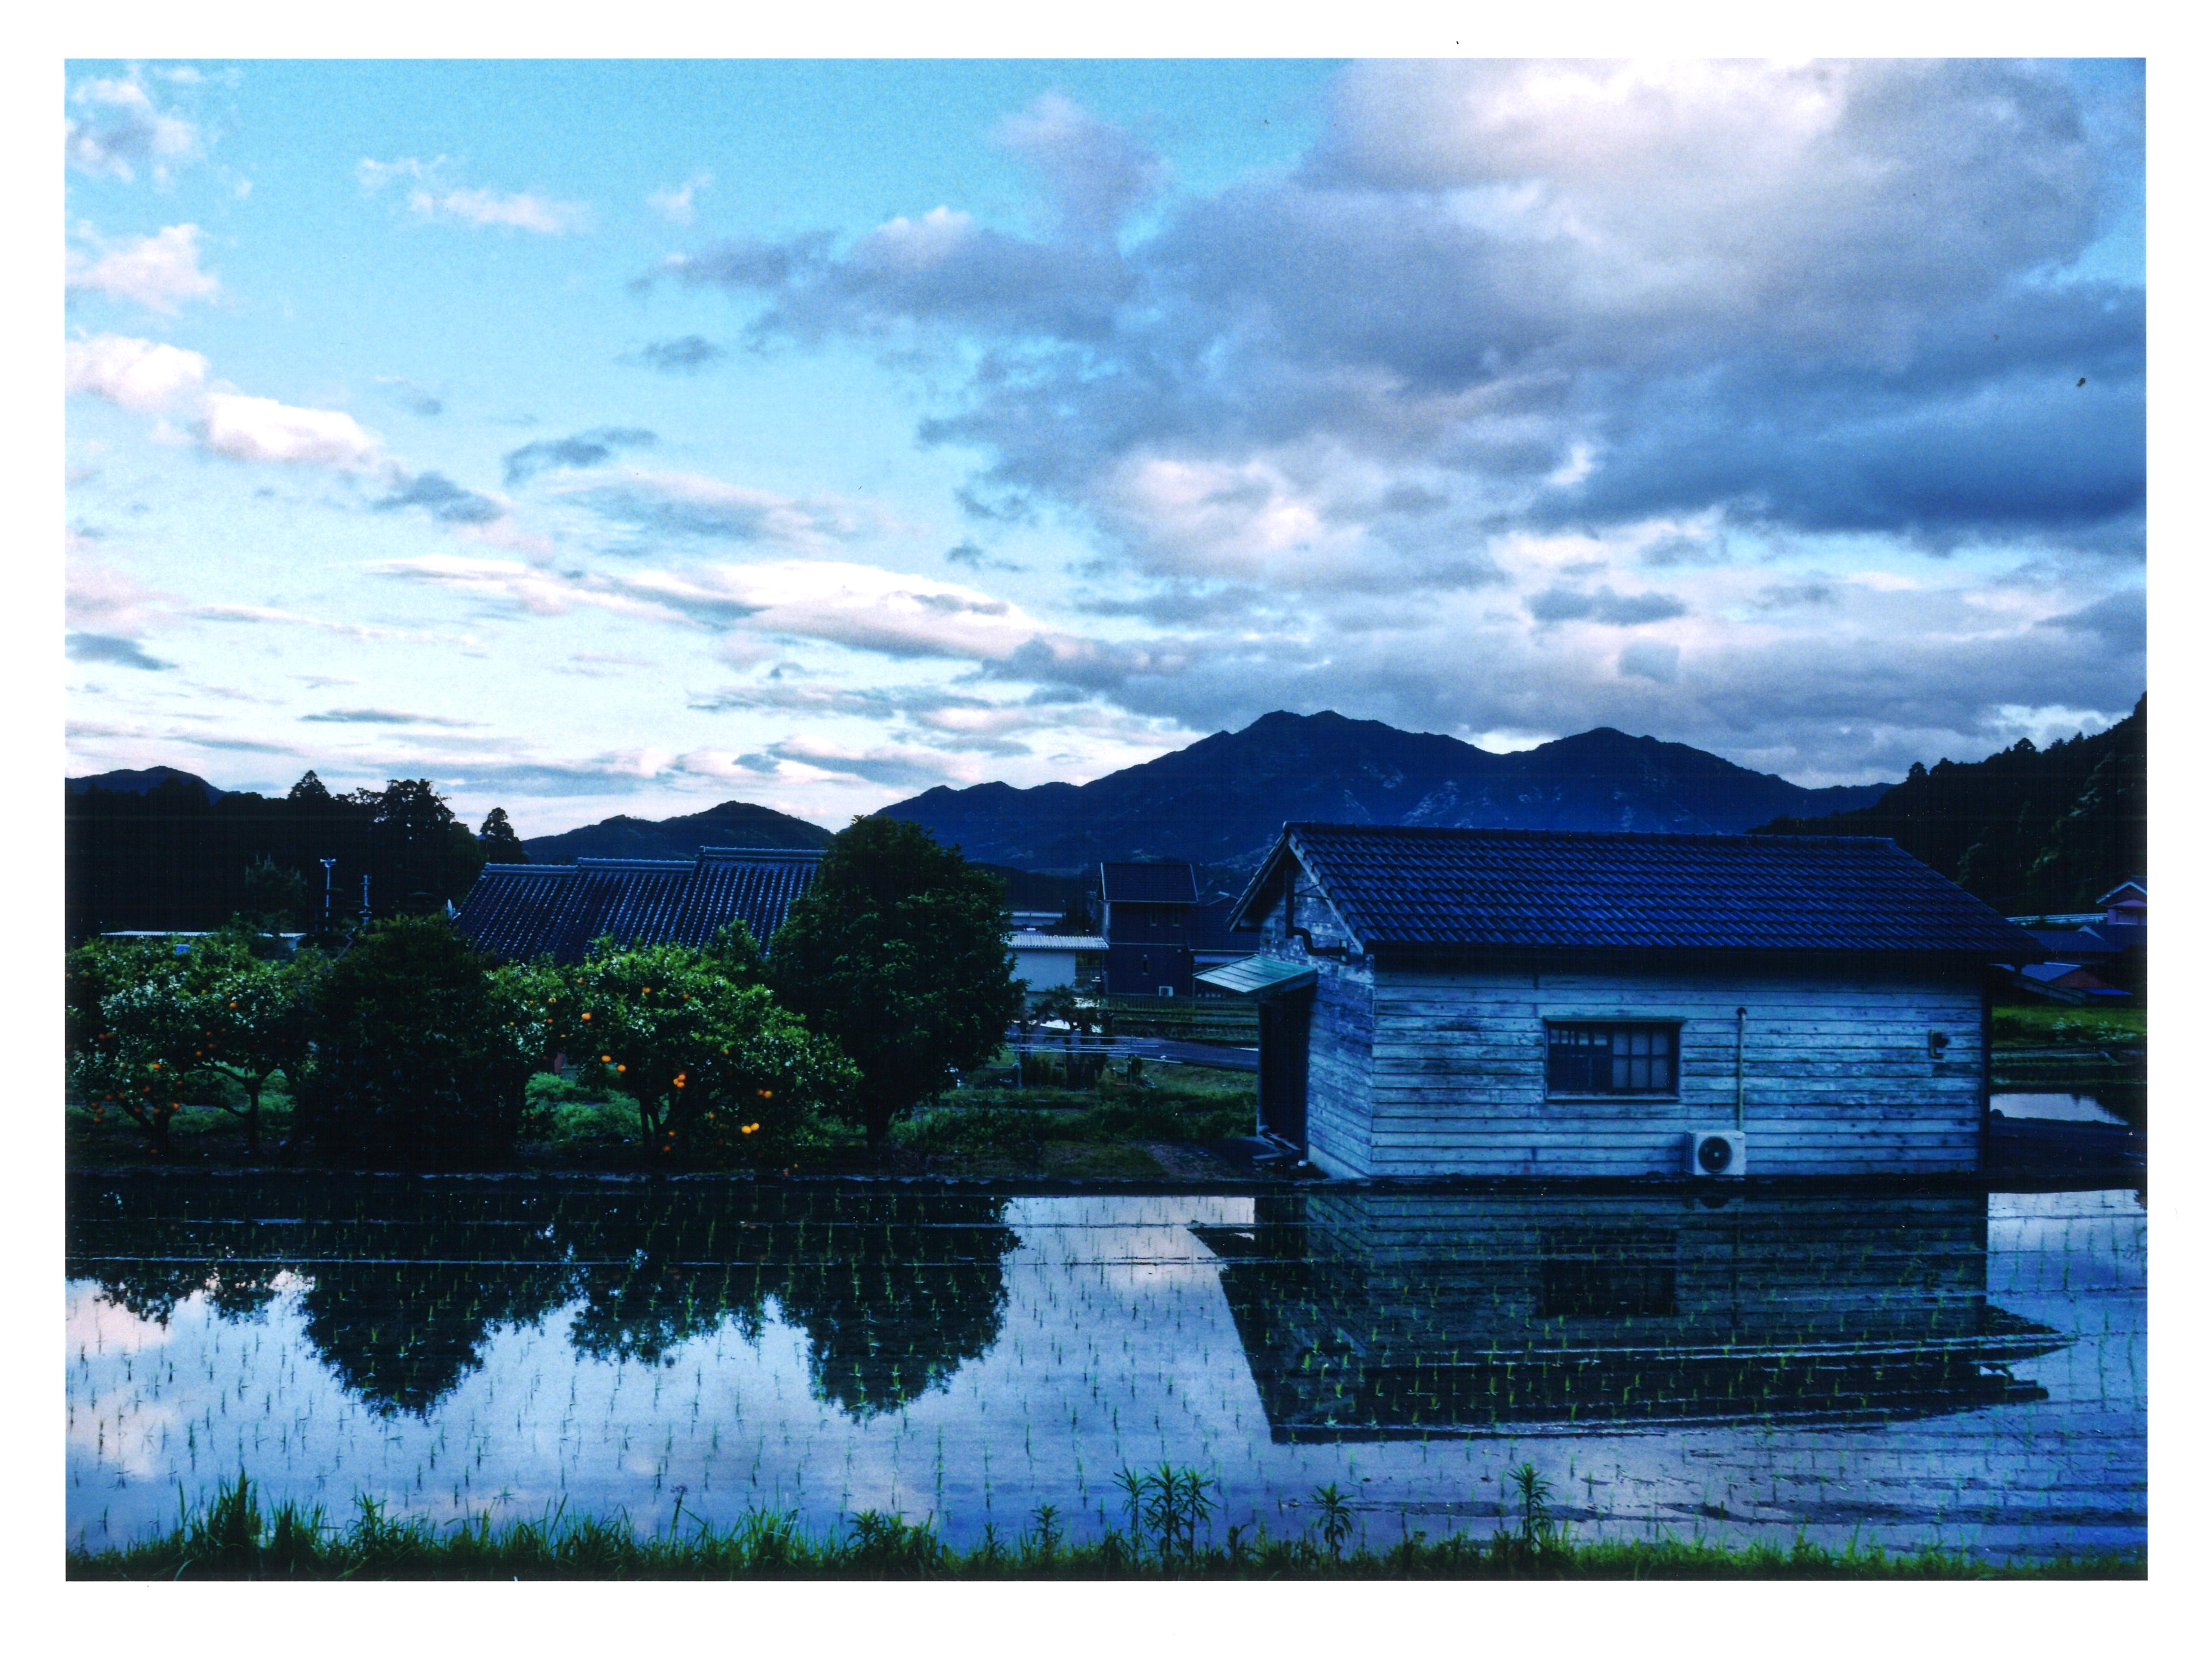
[518,912]
[1451,886]
[1148,881]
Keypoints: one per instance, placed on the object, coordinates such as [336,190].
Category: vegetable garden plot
[1962,1368]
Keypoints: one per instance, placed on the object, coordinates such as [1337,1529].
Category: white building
[1045,961]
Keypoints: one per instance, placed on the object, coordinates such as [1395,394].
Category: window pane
[1614,1057]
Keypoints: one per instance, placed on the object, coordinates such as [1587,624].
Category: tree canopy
[2027,831]
[897,952]
[500,840]
[422,1051]
[717,1068]
[149,1026]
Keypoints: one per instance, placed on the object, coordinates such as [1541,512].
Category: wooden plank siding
[1428,1072]
[1838,1077]
[1339,1070]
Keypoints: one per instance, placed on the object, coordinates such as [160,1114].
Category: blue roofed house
[518,912]
[1443,1001]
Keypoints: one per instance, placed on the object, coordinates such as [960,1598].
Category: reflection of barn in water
[1391,1316]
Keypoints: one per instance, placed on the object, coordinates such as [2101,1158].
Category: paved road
[1244,1058]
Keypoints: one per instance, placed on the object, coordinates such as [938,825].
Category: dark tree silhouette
[2025,830]
[500,843]
[421,1056]
[897,952]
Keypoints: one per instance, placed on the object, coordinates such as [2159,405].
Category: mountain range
[140,781]
[1219,803]
[738,825]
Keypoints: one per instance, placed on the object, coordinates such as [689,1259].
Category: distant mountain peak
[1221,801]
[730,824]
[140,781]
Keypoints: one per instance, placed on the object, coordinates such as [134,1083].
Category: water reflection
[1381,1317]
[1893,1368]
[402,1284]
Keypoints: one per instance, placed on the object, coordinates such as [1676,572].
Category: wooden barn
[1443,1001]
[518,912]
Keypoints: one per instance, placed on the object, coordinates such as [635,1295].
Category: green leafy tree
[897,952]
[718,1069]
[500,841]
[421,1052]
[244,1017]
[150,1028]
[736,955]
[423,857]
[276,898]
[123,1051]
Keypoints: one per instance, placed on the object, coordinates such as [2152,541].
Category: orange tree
[150,1027]
[243,1017]
[123,1049]
[717,1068]
[897,952]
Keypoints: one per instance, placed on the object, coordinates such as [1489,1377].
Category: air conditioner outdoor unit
[1717,1154]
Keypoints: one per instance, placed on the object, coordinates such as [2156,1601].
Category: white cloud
[156,272]
[854,605]
[247,614]
[680,504]
[122,130]
[844,603]
[517,210]
[434,197]
[674,203]
[254,429]
[100,598]
[156,380]
[532,589]
[146,376]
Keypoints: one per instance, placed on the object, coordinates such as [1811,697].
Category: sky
[598,437]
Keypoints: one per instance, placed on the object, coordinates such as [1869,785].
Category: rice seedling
[412,1345]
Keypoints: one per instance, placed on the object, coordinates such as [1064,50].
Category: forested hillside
[2027,831]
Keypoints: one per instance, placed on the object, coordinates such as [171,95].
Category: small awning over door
[1260,976]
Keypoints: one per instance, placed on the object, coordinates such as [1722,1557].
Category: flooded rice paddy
[1966,1368]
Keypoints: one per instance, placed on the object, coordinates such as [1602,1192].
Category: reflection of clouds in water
[94,1325]
[1117,1348]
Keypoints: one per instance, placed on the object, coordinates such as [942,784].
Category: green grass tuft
[226,1539]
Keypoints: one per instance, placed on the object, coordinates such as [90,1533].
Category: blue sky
[620,437]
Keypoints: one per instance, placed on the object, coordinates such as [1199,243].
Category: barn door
[1284,1026]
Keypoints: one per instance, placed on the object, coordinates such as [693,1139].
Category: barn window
[1613,1057]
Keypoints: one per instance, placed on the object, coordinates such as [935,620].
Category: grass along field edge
[230,1539]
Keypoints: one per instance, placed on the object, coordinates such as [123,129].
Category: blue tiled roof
[517,912]
[1452,886]
[1148,881]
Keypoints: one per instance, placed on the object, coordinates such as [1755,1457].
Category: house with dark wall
[519,911]
[1214,942]
[1440,1001]
[1147,906]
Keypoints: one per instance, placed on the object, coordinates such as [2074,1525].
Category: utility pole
[364,900]
[329,862]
